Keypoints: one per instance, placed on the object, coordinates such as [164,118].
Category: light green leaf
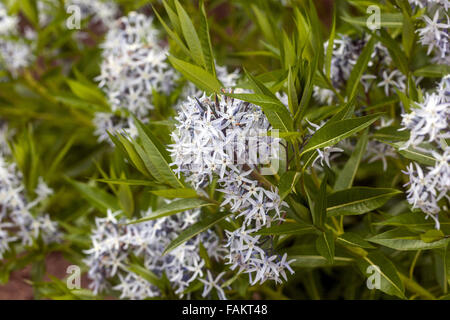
[390,281]
[325,245]
[200,77]
[358,200]
[316,261]
[277,114]
[195,229]
[358,70]
[332,133]
[174,207]
[402,239]
[87,93]
[96,196]
[433,71]
[175,193]
[287,183]
[348,173]
[287,228]
[354,240]
[157,156]
[190,35]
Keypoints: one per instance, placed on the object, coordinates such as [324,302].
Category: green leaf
[402,239]
[200,77]
[133,155]
[390,281]
[348,173]
[447,263]
[320,205]
[277,114]
[358,200]
[195,229]
[413,154]
[172,34]
[175,193]
[316,261]
[287,228]
[265,24]
[126,199]
[332,133]
[206,40]
[190,35]
[147,275]
[292,93]
[432,236]
[354,240]
[329,53]
[415,221]
[287,182]
[87,93]
[130,182]
[325,245]
[408,34]
[433,71]
[388,20]
[96,196]
[358,70]
[157,155]
[397,54]
[174,207]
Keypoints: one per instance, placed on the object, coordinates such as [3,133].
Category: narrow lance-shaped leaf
[320,205]
[195,229]
[288,228]
[348,173]
[325,245]
[174,207]
[200,77]
[376,266]
[97,197]
[206,41]
[333,132]
[359,69]
[157,155]
[403,240]
[190,35]
[275,111]
[175,193]
[358,200]
[329,53]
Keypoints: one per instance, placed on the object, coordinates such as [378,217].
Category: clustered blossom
[428,124]
[18,219]
[434,34]
[114,241]
[227,139]
[134,65]
[345,54]
[15,51]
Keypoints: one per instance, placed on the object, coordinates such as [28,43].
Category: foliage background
[51,105]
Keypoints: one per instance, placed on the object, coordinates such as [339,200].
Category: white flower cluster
[434,34]
[227,139]
[114,241]
[428,125]
[15,52]
[17,222]
[134,65]
[345,54]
